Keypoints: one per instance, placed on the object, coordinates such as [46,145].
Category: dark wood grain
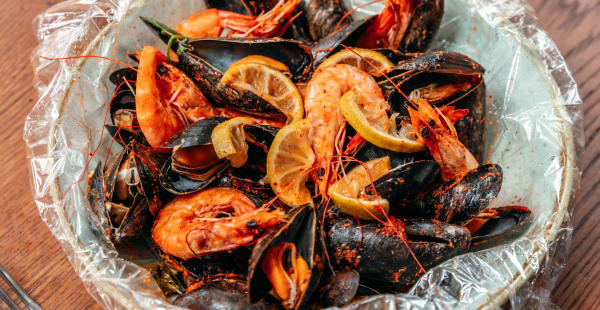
[34,257]
[27,249]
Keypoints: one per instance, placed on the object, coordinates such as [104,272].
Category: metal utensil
[19,291]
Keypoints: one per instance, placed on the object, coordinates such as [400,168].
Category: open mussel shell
[123,74]
[403,183]
[179,184]
[301,230]
[220,53]
[456,201]
[227,292]
[442,78]
[381,256]
[509,221]
[130,195]
[198,133]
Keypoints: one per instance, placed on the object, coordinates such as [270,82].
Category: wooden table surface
[35,259]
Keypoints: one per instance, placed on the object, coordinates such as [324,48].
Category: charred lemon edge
[371,55]
[292,115]
[358,121]
[362,208]
[280,139]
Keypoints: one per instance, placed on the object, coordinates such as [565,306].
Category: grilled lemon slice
[346,192]
[229,140]
[367,60]
[288,162]
[404,141]
[271,85]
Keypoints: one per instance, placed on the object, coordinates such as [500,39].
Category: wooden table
[34,257]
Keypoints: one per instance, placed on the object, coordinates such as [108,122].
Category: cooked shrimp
[389,27]
[166,100]
[212,22]
[439,135]
[323,94]
[216,219]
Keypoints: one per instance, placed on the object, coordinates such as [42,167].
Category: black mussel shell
[124,137]
[135,223]
[423,27]
[98,215]
[222,52]
[509,221]
[261,135]
[111,172]
[300,229]
[179,184]
[148,162]
[119,76]
[124,99]
[237,6]
[418,71]
[319,18]
[209,266]
[403,183]
[331,44]
[456,201]
[247,181]
[256,7]
[369,152]
[338,290]
[198,133]
[219,294]
[381,256]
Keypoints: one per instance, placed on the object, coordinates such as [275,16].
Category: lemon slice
[369,61]
[263,60]
[229,140]
[288,161]
[271,85]
[404,141]
[346,192]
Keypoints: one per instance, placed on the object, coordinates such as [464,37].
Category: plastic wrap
[533,131]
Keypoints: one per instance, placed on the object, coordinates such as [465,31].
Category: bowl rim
[566,195]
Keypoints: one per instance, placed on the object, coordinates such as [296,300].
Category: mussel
[287,260]
[380,255]
[205,60]
[227,292]
[130,197]
[338,290]
[403,183]
[457,201]
[194,163]
[491,226]
[442,78]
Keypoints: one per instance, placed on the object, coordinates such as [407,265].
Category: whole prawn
[321,103]
[439,135]
[166,100]
[212,220]
[212,22]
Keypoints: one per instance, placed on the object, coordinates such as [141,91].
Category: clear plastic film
[533,131]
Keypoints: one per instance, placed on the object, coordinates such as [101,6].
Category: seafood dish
[280,154]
